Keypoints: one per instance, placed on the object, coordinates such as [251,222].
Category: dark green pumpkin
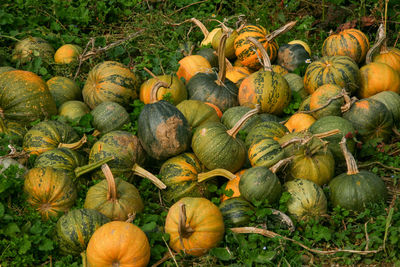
[259,184]
[265,152]
[197,112]
[291,56]
[232,115]
[14,129]
[63,89]
[371,119]
[392,102]
[268,129]
[296,84]
[269,117]
[236,211]
[210,55]
[75,228]
[109,116]
[163,130]
[73,110]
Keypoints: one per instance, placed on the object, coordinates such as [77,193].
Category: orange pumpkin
[279,69]
[67,53]
[236,74]
[194,225]
[190,65]
[299,122]
[234,186]
[389,56]
[118,244]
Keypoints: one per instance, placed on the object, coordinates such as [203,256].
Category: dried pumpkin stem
[201,26]
[137,170]
[184,230]
[281,30]
[223,26]
[350,161]
[112,188]
[217,172]
[266,62]
[221,60]
[344,108]
[79,171]
[307,139]
[280,164]
[154,90]
[75,145]
[96,133]
[236,128]
[380,38]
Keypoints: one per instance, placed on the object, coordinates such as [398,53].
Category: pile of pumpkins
[214,126]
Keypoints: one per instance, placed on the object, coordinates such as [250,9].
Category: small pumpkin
[67,54]
[109,116]
[299,122]
[195,225]
[327,93]
[229,50]
[236,211]
[30,47]
[191,65]
[63,89]
[197,112]
[291,56]
[233,185]
[73,110]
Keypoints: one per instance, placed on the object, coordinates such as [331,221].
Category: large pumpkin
[63,89]
[194,225]
[118,244]
[30,47]
[110,81]
[109,116]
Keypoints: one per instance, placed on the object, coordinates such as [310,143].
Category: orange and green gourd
[67,54]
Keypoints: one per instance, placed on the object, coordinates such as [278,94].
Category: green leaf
[266,257]
[24,246]
[222,254]
[149,227]
[1,210]
[11,229]
[46,245]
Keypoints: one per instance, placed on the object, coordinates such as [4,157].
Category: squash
[229,50]
[268,129]
[73,110]
[339,70]
[50,191]
[322,96]
[63,89]
[197,112]
[265,152]
[302,43]
[194,225]
[14,129]
[355,190]
[109,116]
[390,56]
[236,211]
[30,47]
[299,122]
[67,54]
[296,84]
[392,102]
[75,228]
[232,185]
[350,42]
[163,130]
[110,81]
[25,97]
[191,65]
[118,244]
[5,69]
[291,56]
[209,54]
[236,74]
[232,115]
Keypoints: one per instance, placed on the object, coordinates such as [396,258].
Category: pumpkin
[162,86]
[291,56]
[305,104]
[14,129]
[5,69]
[213,88]
[258,184]
[110,81]
[229,50]
[73,110]
[67,53]
[265,152]
[208,36]
[217,109]
[265,87]
[118,244]
[307,201]
[191,65]
[25,97]
[269,117]
[109,116]
[194,225]
[232,185]
[389,56]
[50,191]
[163,130]
[392,102]
[47,135]
[268,129]
[355,190]
[217,147]
[63,89]
[185,176]
[209,54]
[232,115]
[299,122]
[322,96]
[114,197]
[279,70]
[371,119]
[236,74]
[350,42]
[75,228]
[339,70]
[197,112]
[30,47]
[302,43]
[236,211]
[296,84]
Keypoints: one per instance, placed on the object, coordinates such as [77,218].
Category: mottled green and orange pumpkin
[63,89]
[232,185]
[67,54]
[31,47]
[73,110]
[322,96]
[109,116]
[197,112]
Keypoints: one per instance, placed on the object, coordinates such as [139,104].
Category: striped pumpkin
[339,70]
[267,129]
[29,48]
[197,112]
[350,42]
[109,116]
[236,211]
[392,102]
[265,152]
[63,89]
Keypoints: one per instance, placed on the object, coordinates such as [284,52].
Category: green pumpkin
[209,54]
[392,102]
[5,69]
[305,104]
[264,130]
[265,152]
[232,115]
[291,56]
[229,50]
[197,112]
[63,89]
[31,47]
[236,211]
[15,129]
[269,117]
[109,116]
[73,110]
[259,184]
[75,228]
[296,84]
[307,201]
[163,130]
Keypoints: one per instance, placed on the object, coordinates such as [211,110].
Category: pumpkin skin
[236,211]
[229,45]
[163,130]
[197,112]
[259,183]
[26,49]
[350,42]
[265,152]
[119,244]
[50,191]
[299,122]
[109,116]
[378,77]
[73,110]
[63,89]
[305,104]
[47,135]
[110,81]
[279,70]
[268,129]
[14,129]
[296,84]
[307,199]
[371,119]
[389,56]
[339,70]
[25,97]
[290,56]
[232,115]
[392,102]
[321,96]
[176,88]
[208,53]
[5,69]
[67,54]
[191,65]
[233,185]
[203,217]
[75,228]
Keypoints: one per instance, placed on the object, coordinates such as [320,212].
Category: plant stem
[217,172]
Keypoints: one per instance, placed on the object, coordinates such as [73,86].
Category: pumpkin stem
[265,61]
[201,26]
[280,164]
[281,30]
[137,170]
[112,188]
[154,90]
[223,26]
[185,231]
[96,133]
[235,129]
[307,139]
[222,60]
[75,145]
[84,259]
[380,37]
[131,217]
[217,172]
[90,167]
[350,161]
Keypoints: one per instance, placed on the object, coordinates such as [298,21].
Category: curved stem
[75,145]
[217,172]
[235,129]
[380,37]
[154,90]
[150,73]
[112,189]
[183,230]
[201,26]
[96,133]
[281,30]
[306,139]
[280,164]
[350,161]
[221,59]
[90,167]
[148,175]
[266,62]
